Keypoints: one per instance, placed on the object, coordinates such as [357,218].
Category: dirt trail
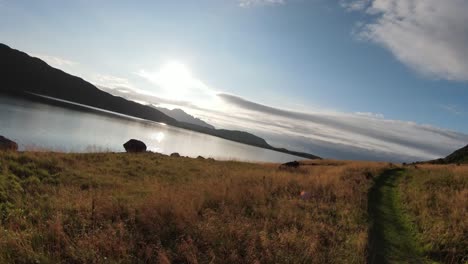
[391,239]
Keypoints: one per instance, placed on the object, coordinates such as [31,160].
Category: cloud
[250,3]
[356,5]
[345,135]
[144,96]
[453,109]
[111,81]
[429,36]
[369,114]
[54,61]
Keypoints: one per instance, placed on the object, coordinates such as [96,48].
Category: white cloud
[369,114]
[249,3]
[453,109]
[355,5]
[54,61]
[364,135]
[111,81]
[429,36]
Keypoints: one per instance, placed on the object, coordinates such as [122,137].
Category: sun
[175,81]
[175,76]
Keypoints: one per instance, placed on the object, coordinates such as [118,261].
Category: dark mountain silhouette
[22,75]
[182,116]
[458,156]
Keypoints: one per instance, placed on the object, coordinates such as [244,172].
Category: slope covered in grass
[459,156]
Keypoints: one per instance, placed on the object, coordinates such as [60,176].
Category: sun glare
[175,81]
[175,75]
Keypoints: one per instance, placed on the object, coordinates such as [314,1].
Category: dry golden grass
[436,197]
[150,208]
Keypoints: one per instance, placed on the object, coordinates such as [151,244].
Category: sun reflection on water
[158,136]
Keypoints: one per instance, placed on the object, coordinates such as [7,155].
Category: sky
[354,79]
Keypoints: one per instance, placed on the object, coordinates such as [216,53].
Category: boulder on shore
[6,144]
[175,154]
[135,146]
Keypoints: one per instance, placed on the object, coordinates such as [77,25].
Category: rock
[134,146]
[175,154]
[6,144]
[291,164]
[200,158]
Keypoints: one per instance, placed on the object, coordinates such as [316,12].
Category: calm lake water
[37,126]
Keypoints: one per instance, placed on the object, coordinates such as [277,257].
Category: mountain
[181,116]
[458,156]
[22,75]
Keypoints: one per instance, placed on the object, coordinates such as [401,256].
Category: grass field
[436,199]
[150,208]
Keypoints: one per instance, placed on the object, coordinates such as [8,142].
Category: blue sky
[386,60]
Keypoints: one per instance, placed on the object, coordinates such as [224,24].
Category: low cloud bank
[348,135]
[365,136]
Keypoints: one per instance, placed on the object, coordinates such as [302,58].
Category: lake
[38,126]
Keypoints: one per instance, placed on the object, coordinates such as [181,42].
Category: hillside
[459,156]
[22,74]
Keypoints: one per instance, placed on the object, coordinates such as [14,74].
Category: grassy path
[391,239]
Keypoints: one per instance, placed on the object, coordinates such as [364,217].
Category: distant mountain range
[178,114]
[182,116]
[21,75]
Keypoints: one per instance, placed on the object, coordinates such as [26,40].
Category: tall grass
[150,208]
[436,197]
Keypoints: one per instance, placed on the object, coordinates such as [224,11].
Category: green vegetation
[392,239]
[436,197]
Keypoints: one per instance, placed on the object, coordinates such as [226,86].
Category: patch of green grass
[392,237]
[436,197]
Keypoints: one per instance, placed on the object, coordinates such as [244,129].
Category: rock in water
[6,144]
[134,146]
